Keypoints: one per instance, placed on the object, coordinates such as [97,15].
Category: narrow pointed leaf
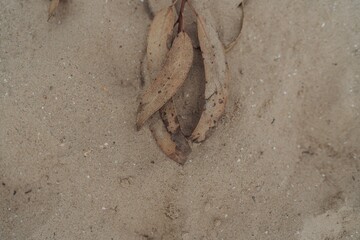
[53,5]
[172,143]
[217,78]
[169,79]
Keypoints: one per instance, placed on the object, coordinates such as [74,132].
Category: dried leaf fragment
[53,5]
[168,80]
[217,78]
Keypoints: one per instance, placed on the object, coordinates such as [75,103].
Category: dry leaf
[217,78]
[158,43]
[227,15]
[174,145]
[159,39]
[53,5]
[160,36]
[169,116]
[189,100]
[168,80]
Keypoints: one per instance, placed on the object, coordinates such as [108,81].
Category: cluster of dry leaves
[167,63]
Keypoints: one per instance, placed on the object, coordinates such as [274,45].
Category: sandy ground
[283,164]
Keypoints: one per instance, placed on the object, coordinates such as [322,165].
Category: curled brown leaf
[160,36]
[159,39]
[173,145]
[169,140]
[217,78]
[168,80]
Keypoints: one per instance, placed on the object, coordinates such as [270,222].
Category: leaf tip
[138,125]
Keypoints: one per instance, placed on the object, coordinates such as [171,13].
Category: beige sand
[283,164]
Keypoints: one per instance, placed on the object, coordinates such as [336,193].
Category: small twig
[181,16]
